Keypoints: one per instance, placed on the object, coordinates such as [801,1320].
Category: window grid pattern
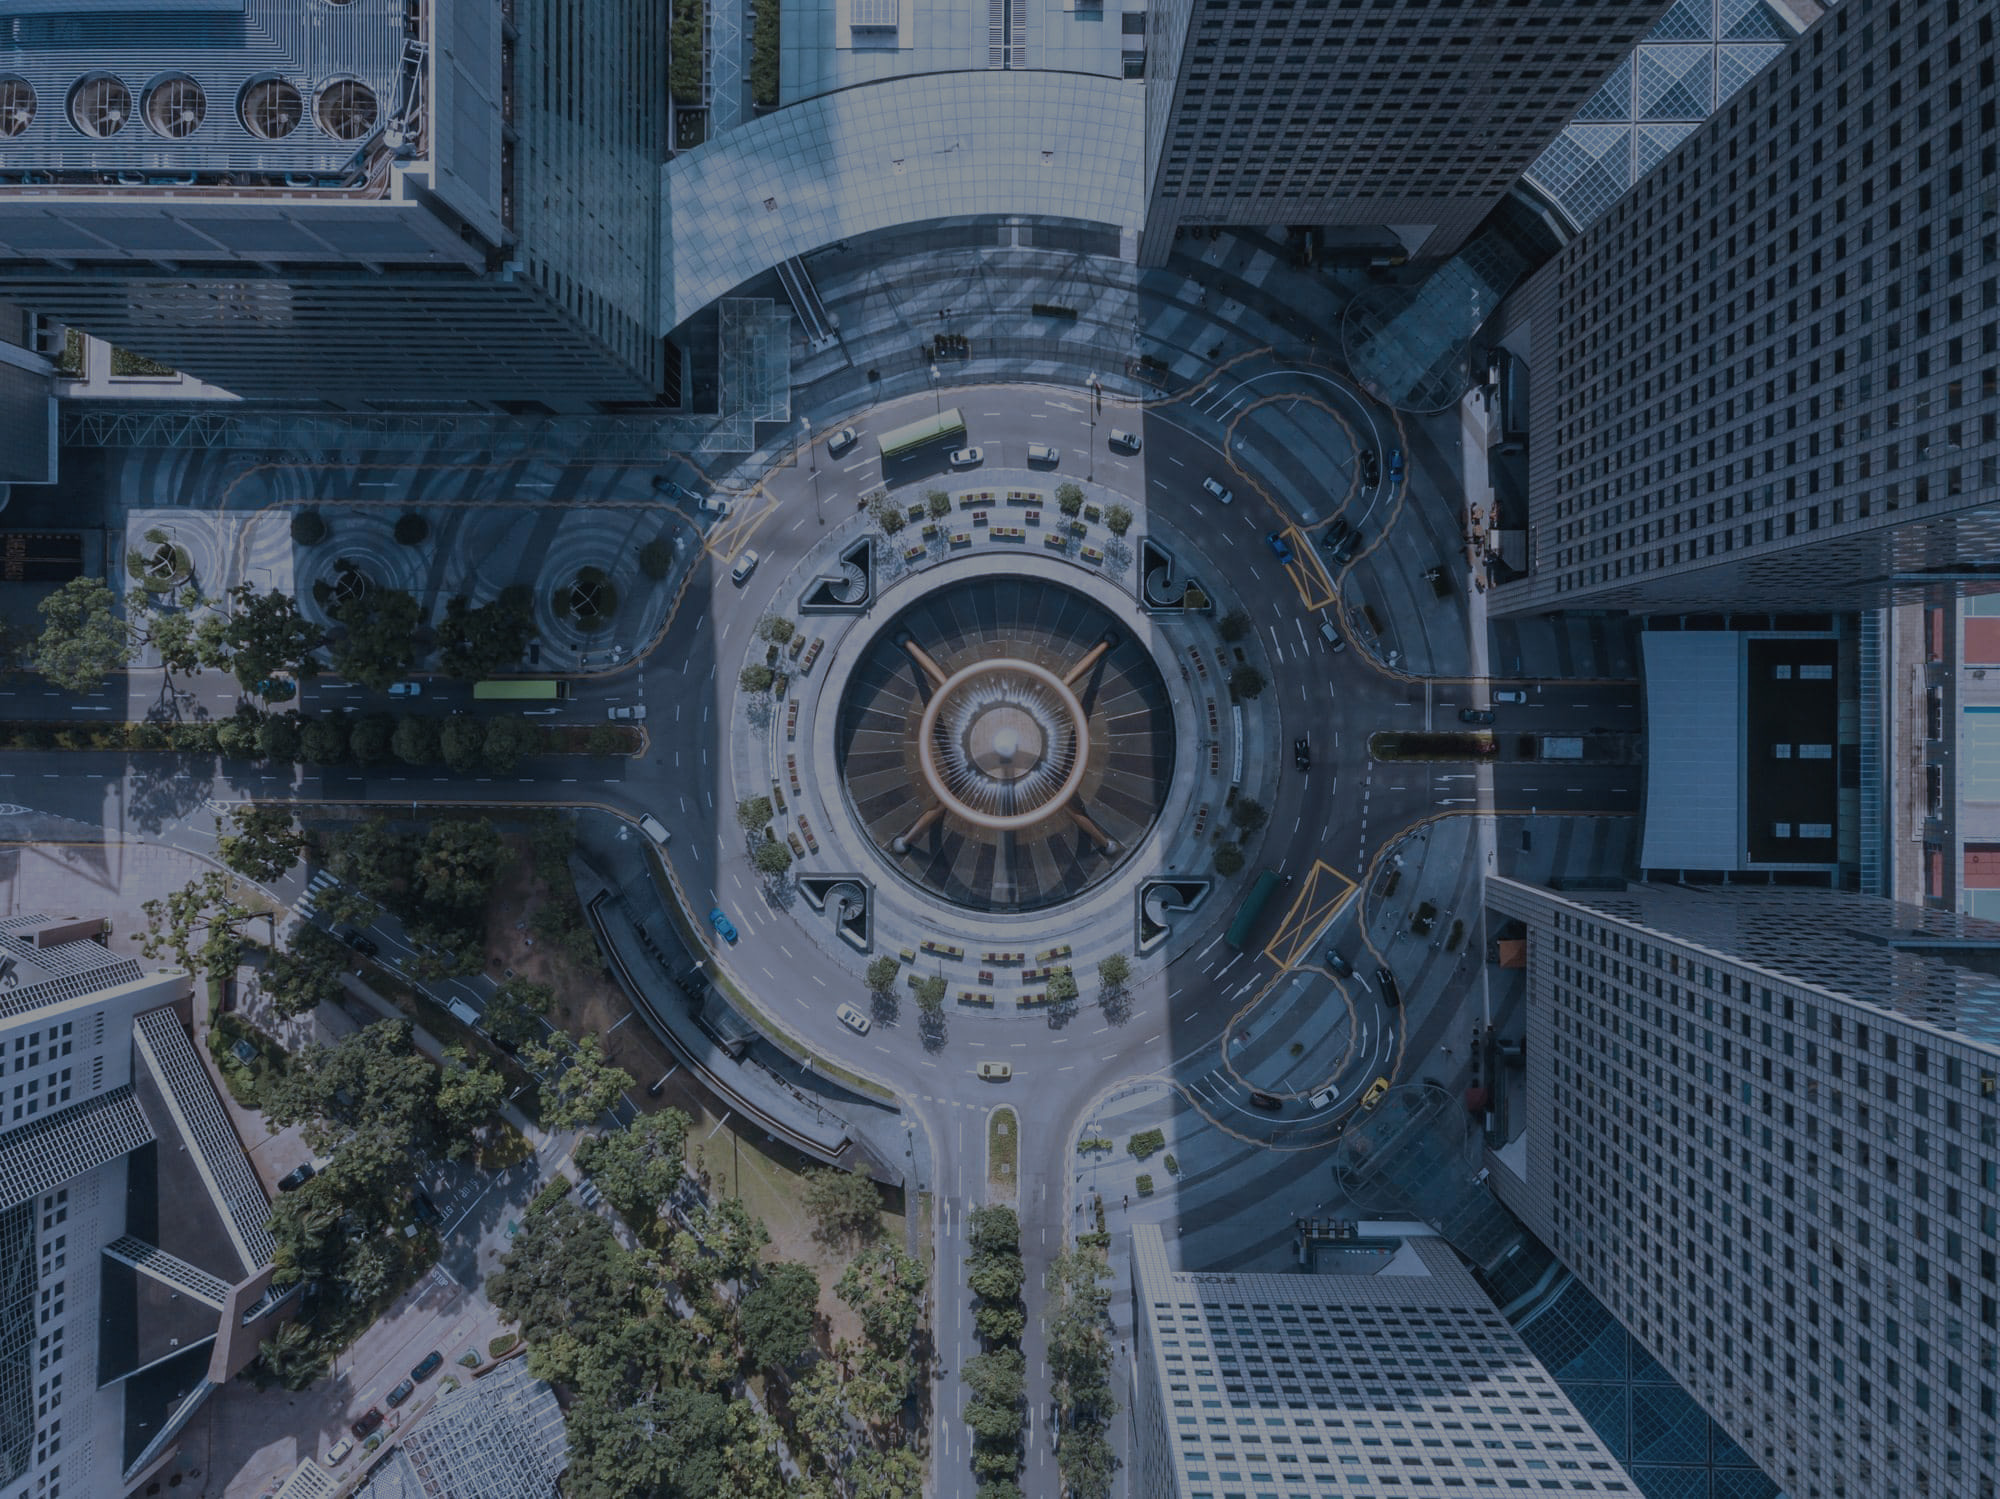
[1306,1385]
[1772,369]
[1789,1197]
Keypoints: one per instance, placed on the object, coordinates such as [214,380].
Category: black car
[402,1392]
[1371,467]
[1340,549]
[1391,995]
[297,1177]
[368,1421]
[1338,964]
[1267,1101]
[1302,754]
[1475,715]
[354,939]
[432,1361]
[425,1210]
[1440,583]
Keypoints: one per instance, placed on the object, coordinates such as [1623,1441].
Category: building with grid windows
[134,1253]
[1409,115]
[500,1437]
[1769,377]
[374,203]
[1309,1385]
[1764,1130]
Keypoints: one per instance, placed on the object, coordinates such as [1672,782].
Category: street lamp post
[1094,389]
[812,457]
[936,395]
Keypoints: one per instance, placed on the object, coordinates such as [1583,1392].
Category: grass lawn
[1003,1153]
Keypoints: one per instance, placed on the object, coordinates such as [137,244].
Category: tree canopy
[83,639]
[475,642]
[265,845]
[379,641]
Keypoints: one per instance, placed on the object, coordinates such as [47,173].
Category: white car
[406,689]
[338,1451]
[654,829]
[1218,491]
[1325,1096]
[637,713]
[745,565]
[841,441]
[1129,441]
[715,504]
[853,1019]
[1510,695]
[968,457]
[1041,452]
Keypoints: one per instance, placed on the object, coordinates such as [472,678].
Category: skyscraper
[134,1256]
[1344,1383]
[1769,376]
[1764,1130]
[1411,115]
[375,203]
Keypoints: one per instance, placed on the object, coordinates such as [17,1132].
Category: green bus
[1252,908]
[520,690]
[949,422]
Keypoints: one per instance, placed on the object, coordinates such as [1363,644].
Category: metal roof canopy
[1694,759]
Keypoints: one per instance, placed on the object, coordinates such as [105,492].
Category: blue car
[1280,548]
[1395,465]
[724,927]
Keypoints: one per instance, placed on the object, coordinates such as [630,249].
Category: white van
[654,829]
[1041,452]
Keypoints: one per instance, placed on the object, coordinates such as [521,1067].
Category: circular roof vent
[346,109]
[270,108]
[176,106]
[17,104]
[99,105]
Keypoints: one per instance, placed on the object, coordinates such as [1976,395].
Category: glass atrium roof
[1700,53]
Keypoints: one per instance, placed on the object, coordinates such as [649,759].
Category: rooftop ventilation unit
[175,106]
[346,109]
[100,105]
[17,105]
[270,108]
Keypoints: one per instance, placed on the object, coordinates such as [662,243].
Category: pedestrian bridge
[901,151]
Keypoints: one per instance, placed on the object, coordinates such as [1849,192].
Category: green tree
[306,975]
[563,1277]
[1062,986]
[638,1167]
[937,503]
[415,741]
[1117,518]
[771,857]
[1114,973]
[371,738]
[236,735]
[263,637]
[1234,625]
[374,858]
[507,740]
[886,513]
[1069,498]
[998,1488]
[656,558]
[291,1357]
[1248,814]
[930,991]
[844,1206]
[1228,860]
[264,844]
[1246,682]
[170,632]
[379,639]
[756,677]
[474,643]
[751,1462]
[775,629]
[578,1085]
[201,912]
[996,1278]
[83,640]
[278,738]
[775,1320]
[886,1473]
[881,975]
[753,813]
[886,1288]
[1000,1321]
[468,1095]
[371,1081]
[995,1381]
[733,1236]
[458,863]
[514,1012]
[994,1229]
[323,740]
[463,743]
